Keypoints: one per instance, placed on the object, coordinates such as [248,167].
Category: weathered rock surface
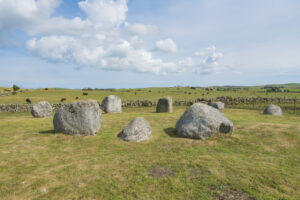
[79,118]
[41,109]
[201,121]
[112,104]
[273,110]
[218,105]
[164,105]
[138,130]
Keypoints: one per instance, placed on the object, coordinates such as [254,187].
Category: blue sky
[143,43]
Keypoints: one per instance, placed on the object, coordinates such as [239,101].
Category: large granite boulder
[112,104]
[79,118]
[164,105]
[273,110]
[217,104]
[41,109]
[201,121]
[138,130]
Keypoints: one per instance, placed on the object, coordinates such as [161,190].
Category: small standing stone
[138,130]
[41,109]
[273,110]
[218,105]
[112,104]
[164,105]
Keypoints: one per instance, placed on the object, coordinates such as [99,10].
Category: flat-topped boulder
[41,109]
[218,105]
[79,118]
[112,104]
[273,110]
[138,130]
[201,121]
[164,105]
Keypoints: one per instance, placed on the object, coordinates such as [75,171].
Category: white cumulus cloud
[204,62]
[167,45]
[100,40]
[34,17]
[141,29]
[120,55]
[105,12]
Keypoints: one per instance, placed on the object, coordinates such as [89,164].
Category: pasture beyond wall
[291,105]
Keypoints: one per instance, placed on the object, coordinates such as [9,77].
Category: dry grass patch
[160,172]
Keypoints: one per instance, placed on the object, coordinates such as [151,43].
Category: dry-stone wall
[22,107]
[145,103]
[15,108]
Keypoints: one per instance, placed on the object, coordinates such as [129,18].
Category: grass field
[178,93]
[259,161]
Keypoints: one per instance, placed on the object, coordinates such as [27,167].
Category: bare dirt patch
[230,194]
[199,172]
[160,172]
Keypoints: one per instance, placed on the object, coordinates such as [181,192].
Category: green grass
[153,94]
[260,160]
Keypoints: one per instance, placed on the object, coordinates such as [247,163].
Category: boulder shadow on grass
[171,132]
[48,132]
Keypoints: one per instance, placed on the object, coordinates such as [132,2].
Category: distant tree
[15,88]
[87,89]
[273,89]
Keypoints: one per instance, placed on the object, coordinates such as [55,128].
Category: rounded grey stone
[138,130]
[164,105]
[79,118]
[218,105]
[41,109]
[112,104]
[201,121]
[273,110]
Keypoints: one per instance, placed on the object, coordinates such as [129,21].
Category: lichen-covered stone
[138,130]
[79,118]
[201,121]
[218,105]
[164,105]
[41,109]
[112,104]
[273,110]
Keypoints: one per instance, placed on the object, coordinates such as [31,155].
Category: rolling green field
[259,161]
[178,93]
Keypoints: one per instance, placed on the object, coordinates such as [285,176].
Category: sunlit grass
[152,94]
[260,160]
